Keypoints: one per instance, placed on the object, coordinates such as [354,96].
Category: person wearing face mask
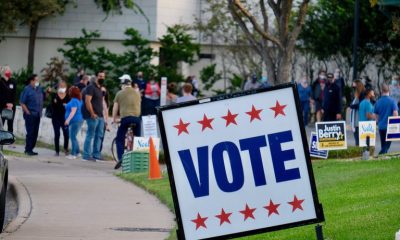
[318,87]
[151,97]
[332,104]
[252,83]
[92,111]
[305,97]
[8,90]
[31,101]
[58,102]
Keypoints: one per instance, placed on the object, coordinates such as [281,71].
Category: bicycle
[129,137]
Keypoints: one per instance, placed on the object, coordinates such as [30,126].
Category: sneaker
[71,157]
[99,159]
[88,159]
[118,165]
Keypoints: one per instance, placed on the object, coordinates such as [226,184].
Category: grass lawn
[361,200]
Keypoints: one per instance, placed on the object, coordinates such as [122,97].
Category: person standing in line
[366,110]
[31,101]
[127,102]
[83,82]
[171,96]
[151,97]
[141,83]
[332,104]
[105,114]
[395,89]
[385,107]
[92,111]
[74,119]
[318,87]
[186,94]
[252,83]
[359,89]
[305,97]
[58,102]
[8,96]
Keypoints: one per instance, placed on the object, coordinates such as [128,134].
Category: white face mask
[37,84]
[62,90]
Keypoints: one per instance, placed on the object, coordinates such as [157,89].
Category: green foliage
[178,46]
[79,55]
[236,83]
[330,23]
[353,207]
[209,76]
[139,54]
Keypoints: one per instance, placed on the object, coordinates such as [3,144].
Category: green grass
[13,153]
[361,200]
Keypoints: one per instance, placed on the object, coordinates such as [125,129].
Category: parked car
[6,138]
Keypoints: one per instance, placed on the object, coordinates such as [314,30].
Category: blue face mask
[394,82]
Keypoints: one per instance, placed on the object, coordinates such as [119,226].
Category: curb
[24,204]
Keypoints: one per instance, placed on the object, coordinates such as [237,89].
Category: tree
[31,13]
[274,45]
[329,23]
[235,53]
[176,46]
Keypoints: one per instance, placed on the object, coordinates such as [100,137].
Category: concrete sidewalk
[72,199]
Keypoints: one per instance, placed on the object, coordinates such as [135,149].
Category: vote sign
[239,165]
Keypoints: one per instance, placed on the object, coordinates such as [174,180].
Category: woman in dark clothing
[58,102]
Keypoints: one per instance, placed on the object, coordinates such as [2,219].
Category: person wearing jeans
[74,119]
[385,107]
[127,103]
[31,101]
[92,112]
[95,130]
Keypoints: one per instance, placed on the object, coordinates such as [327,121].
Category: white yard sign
[239,165]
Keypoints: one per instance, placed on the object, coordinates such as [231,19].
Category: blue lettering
[279,157]
[220,170]
[253,145]
[198,183]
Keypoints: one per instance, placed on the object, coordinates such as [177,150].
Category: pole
[356,33]
[319,233]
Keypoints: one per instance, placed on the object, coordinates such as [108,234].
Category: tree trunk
[31,48]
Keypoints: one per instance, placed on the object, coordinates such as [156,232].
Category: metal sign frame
[317,205]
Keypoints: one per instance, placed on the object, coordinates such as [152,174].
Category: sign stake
[319,233]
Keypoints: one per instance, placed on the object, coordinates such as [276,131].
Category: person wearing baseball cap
[128,103]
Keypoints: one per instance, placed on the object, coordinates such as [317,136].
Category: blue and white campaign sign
[314,152]
[393,129]
[239,165]
[367,129]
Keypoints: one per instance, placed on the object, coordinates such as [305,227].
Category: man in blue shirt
[385,107]
[366,110]
[31,101]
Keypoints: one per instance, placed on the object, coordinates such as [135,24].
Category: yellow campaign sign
[367,129]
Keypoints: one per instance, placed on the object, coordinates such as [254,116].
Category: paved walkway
[72,199]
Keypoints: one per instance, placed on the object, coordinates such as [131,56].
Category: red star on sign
[206,122]
[278,109]
[182,127]
[248,212]
[200,222]
[254,113]
[272,208]
[296,203]
[230,118]
[224,217]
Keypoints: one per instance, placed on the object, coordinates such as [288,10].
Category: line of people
[86,101]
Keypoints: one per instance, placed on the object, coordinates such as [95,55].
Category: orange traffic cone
[154,172]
